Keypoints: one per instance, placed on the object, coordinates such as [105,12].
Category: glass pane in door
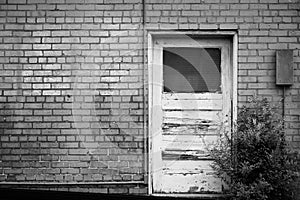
[191,69]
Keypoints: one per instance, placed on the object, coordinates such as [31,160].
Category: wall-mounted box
[284,67]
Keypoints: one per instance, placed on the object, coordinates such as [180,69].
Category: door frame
[152,36]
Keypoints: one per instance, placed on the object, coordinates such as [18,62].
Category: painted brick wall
[71,74]
[71,91]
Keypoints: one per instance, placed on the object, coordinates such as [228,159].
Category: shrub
[254,161]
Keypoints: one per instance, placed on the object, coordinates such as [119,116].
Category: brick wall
[71,92]
[72,78]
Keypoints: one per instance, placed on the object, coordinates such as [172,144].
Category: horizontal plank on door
[190,138]
[188,142]
[194,129]
[189,183]
[187,171]
[180,155]
[187,121]
[191,96]
[193,114]
[187,165]
[214,104]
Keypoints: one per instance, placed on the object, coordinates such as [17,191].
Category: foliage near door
[256,161]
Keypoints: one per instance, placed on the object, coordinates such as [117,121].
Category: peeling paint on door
[189,129]
[186,125]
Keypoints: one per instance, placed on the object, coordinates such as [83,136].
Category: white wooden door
[190,106]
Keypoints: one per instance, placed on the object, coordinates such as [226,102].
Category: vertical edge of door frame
[150,58]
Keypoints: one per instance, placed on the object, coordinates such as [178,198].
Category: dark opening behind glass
[195,70]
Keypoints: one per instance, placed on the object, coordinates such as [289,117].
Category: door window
[194,69]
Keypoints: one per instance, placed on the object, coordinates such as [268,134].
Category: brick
[41,33]
[22,46]
[60,33]
[31,40]
[14,27]
[257,46]
[42,73]
[65,7]
[229,13]
[33,27]
[74,13]
[16,2]
[69,145]
[52,53]
[268,26]
[45,7]
[288,26]
[228,26]
[41,46]
[79,33]
[258,72]
[288,13]
[89,40]
[258,33]
[12,40]
[90,26]
[51,92]
[287,39]
[33,53]
[61,46]
[42,112]
[71,26]
[208,26]
[71,40]
[267,39]
[16,14]
[14,53]
[257,85]
[110,26]
[33,119]
[249,13]
[55,14]
[41,86]
[278,46]
[27,7]
[278,33]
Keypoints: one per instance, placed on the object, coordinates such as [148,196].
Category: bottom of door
[206,196]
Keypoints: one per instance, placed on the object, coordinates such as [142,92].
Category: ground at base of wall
[14,194]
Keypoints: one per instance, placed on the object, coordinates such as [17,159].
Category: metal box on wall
[284,67]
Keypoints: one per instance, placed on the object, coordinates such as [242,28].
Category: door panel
[193,103]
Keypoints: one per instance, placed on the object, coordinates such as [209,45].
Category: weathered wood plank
[214,104]
[187,165]
[185,155]
[190,138]
[187,121]
[177,145]
[186,171]
[188,142]
[191,96]
[196,129]
[190,183]
[191,114]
